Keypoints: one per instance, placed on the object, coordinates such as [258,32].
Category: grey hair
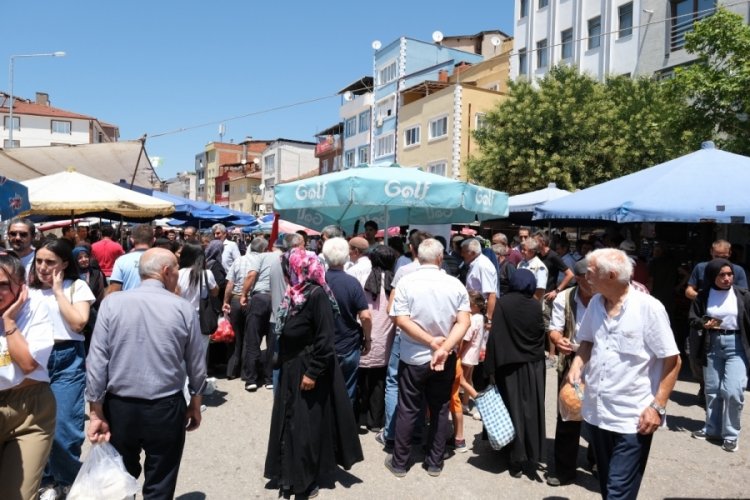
[501,237]
[219,227]
[500,249]
[430,251]
[611,260]
[332,231]
[472,245]
[259,244]
[336,251]
[293,240]
[530,244]
[153,261]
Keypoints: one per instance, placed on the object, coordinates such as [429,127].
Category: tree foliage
[718,84]
[577,132]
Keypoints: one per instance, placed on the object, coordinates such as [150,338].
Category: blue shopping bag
[495,417]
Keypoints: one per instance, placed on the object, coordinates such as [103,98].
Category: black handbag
[209,317]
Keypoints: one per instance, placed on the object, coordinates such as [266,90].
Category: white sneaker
[50,493]
[210,386]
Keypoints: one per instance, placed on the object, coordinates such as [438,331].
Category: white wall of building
[37,131]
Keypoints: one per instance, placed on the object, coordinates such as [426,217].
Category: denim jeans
[725,377]
[391,389]
[349,364]
[67,373]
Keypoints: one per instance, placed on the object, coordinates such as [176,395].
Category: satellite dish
[437,36]
[495,40]
[348,96]
[376,45]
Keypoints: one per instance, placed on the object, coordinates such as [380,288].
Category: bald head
[159,264]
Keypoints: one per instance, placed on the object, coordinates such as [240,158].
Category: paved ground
[224,459]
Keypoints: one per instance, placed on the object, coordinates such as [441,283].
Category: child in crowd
[473,344]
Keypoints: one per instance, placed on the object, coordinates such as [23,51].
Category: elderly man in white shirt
[631,365]
[231,250]
[482,274]
[529,250]
[432,310]
[360,266]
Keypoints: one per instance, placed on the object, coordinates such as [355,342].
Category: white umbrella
[70,193]
[527,202]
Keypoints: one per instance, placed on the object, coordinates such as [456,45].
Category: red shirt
[106,251]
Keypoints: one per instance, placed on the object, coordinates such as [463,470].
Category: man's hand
[437,363]
[550,296]
[366,346]
[98,430]
[436,342]
[562,344]
[307,383]
[649,421]
[193,414]
[227,308]
[574,373]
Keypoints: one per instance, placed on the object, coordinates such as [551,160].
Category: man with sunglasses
[20,235]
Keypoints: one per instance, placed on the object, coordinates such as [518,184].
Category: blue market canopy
[14,198]
[705,186]
[392,196]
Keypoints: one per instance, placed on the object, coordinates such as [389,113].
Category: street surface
[224,459]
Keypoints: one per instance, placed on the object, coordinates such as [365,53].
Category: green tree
[577,132]
[718,84]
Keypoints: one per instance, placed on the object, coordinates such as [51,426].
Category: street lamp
[10,72]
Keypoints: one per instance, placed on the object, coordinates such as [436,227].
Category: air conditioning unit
[379,121]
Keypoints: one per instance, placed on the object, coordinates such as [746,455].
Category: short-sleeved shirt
[261,264]
[190,293]
[432,299]
[537,267]
[557,317]
[278,284]
[475,336]
[238,272]
[351,300]
[627,359]
[230,254]
[74,291]
[361,269]
[106,252]
[696,277]
[33,322]
[555,265]
[126,272]
[482,276]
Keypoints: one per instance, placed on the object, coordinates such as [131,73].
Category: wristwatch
[659,409]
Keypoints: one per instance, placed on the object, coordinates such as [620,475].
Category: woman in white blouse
[55,282]
[722,312]
[27,405]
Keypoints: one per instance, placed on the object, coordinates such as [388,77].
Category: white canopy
[527,202]
[70,193]
[109,162]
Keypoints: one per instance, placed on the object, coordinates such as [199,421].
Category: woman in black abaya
[312,423]
[515,356]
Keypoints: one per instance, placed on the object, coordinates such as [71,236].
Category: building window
[566,44]
[411,136]
[16,122]
[543,3]
[61,127]
[625,14]
[384,145]
[480,120]
[325,166]
[595,32]
[438,127]
[522,65]
[684,15]
[16,144]
[364,121]
[349,158]
[364,154]
[336,163]
[269,164]
[385,108]
[387,73]
[524,11]
[541,53]
[439,168]
[350,126]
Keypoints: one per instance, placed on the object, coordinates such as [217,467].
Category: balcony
[327,146]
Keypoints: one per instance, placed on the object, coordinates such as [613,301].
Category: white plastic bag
[103,476]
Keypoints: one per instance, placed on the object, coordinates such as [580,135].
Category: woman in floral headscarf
[312,424]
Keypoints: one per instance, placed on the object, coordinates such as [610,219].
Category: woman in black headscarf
[722,312]
[515,356]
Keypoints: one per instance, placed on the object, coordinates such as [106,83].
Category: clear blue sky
[153,66]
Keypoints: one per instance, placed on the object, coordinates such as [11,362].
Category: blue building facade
[399,65]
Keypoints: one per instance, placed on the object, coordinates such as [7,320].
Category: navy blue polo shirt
[351,299]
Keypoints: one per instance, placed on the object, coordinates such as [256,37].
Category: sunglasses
[20,234]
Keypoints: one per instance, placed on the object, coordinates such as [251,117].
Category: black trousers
[567,438]
[371,396]
[158,428]
[237,319]
[257,326]
[415,384]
